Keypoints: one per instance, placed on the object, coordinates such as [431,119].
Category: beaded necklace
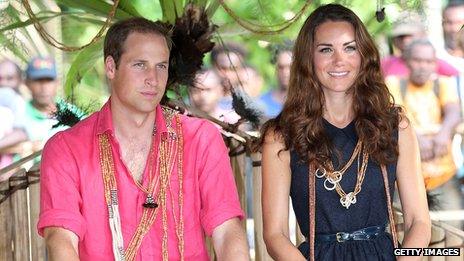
[170,149]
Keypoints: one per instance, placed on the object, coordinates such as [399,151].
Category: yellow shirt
[422,105]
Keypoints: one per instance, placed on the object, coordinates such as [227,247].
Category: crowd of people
[342,126]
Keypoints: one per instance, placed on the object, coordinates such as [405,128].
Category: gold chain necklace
[167,148]
[347,199]
[333,177]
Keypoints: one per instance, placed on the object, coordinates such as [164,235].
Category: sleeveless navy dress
[331,217]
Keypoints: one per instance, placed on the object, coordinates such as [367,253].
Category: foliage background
[75,22]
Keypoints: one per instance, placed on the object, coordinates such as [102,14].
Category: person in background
[252,81]
[273,100]
[205,96]
[453,21]
[37,123]
[405,29]
[433,107]
[10,99]
[10,75]
[42,81]
[7,119]
[228,61]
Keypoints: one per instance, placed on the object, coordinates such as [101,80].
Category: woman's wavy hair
[300,124]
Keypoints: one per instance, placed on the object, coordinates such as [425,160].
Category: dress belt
[367,233]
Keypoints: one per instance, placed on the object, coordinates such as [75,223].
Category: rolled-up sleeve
[219,197]
[60,197]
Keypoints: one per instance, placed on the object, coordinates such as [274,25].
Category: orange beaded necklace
[170,149]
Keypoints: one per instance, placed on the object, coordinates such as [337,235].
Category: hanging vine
[259,28]
[52,41]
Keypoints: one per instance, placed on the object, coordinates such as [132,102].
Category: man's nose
[151,78]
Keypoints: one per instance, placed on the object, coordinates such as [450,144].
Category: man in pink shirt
[407,28]
[137,181]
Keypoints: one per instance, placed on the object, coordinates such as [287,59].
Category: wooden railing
[19,210]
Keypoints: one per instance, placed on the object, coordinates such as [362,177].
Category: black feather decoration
[191,36]
[68,114]
[245,107]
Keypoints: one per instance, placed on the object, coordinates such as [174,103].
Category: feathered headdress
[191,37]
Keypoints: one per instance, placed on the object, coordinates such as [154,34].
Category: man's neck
[280,94]
[45,109]
[128,125]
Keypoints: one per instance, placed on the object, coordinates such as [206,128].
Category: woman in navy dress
[337,149]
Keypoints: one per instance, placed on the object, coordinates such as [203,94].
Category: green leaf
[96,7]
[14,14]
[212,7]
[128,7]
[179,4]
[172,9]
[200,3]
[40,17]
[169,10]
[83,62]
[15,49]
[150,9]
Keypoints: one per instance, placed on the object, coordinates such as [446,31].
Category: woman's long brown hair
[300,124]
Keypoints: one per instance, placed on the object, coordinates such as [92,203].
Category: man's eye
[162,66]
[139,65]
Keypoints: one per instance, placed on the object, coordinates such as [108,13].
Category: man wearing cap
[36,123]
[404,31]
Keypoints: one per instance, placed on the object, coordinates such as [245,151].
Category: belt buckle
[339,237]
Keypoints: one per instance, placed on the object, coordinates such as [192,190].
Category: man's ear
[110,67]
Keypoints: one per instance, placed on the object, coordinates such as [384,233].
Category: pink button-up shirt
[72,193]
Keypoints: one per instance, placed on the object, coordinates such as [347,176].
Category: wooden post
[260,248]
[6,227]
[20,214]
[238,163]
[37,242]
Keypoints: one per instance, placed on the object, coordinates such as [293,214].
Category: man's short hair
[227,48]
[277,49]
[421,41]
[454,3]
[118,33]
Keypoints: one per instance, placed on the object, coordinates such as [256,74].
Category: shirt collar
[105,120]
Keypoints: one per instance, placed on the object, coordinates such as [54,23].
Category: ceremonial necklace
[170,146]
[333,177]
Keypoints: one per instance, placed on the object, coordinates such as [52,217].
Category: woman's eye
[351,48]
[325,50]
